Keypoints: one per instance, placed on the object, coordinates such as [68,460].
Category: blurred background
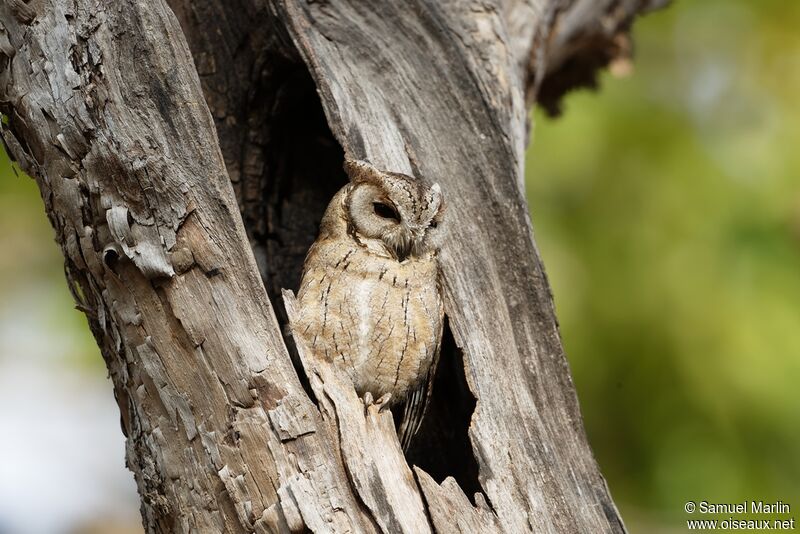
[667,209]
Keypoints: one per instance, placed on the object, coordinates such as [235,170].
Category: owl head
[394,209]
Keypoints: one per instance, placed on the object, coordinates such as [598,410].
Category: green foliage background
[667,209]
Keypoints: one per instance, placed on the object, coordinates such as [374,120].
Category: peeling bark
[184,171]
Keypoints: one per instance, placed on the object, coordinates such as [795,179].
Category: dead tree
[185,152]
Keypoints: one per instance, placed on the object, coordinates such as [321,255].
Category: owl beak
[402,252]
[407,243]
[403,247]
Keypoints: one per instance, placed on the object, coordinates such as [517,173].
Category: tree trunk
[107,105]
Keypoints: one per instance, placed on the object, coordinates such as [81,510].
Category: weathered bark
[106,110]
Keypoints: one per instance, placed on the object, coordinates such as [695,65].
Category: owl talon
[380,404]
[383,402]
[368,401]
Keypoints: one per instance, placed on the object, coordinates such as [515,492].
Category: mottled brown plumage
[370,299]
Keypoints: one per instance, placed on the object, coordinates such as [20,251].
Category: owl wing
[417,401]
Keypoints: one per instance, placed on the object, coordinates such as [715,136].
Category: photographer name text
[744,507]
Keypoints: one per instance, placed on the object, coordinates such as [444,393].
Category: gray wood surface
[150,133]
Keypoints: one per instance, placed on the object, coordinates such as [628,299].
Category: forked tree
[185,151]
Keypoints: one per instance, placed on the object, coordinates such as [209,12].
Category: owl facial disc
[393,210]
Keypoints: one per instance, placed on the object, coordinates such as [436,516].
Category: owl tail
[413,413]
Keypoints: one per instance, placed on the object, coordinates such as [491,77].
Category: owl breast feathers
[370,300]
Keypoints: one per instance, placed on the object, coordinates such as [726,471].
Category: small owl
[370,300]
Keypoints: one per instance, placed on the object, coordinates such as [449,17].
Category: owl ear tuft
[361,171]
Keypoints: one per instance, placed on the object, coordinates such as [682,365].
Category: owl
[370,299]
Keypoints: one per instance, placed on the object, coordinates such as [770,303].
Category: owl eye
[433,224]
[385,211]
